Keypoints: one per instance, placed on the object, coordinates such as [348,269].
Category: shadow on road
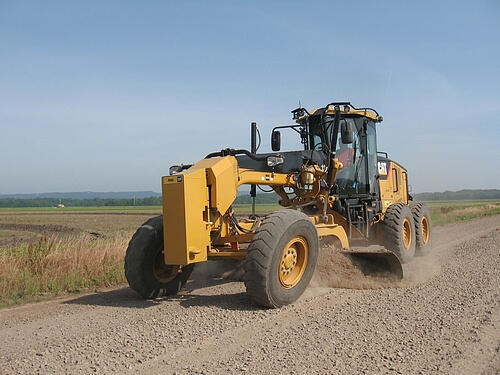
[192,295]
[235,301]
[124,297]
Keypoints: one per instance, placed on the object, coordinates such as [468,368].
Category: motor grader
[338,190]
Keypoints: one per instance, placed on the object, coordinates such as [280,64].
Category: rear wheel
[422,219]
[145,268]
[281,258]
[399,231]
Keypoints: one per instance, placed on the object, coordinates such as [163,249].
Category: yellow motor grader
[338,189]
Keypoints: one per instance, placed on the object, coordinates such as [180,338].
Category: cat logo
[382,168]
[172,179]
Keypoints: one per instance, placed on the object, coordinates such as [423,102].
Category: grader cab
[338,189]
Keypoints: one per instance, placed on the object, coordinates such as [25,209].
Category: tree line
[101,202]
[267,198]
[466,194]
[70,202]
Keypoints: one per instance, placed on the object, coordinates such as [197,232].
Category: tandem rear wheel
[423,228]
[399,231]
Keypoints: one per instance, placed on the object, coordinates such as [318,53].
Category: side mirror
[275,140]
[174,169]
[346,132]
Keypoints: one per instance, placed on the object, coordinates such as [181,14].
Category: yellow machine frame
[338,194]
[201,197]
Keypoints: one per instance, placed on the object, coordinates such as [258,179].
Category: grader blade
[377,263]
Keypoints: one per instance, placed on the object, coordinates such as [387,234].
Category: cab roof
[345,108]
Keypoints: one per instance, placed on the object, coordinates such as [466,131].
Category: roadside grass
[444,212]
[51,266]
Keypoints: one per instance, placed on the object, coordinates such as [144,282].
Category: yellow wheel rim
[425,230]
[162,272]
[406,234]
[293,262]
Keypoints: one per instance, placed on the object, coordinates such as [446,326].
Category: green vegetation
[443,212]
[261,198]
[108,203]
[89,209]
[85,195]
[51,266]
[466,194]
[245,209]
[111,203]
[70,202]
[241,199]
[42,265]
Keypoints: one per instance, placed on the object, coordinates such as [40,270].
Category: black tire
[399,231]
[145,269]
[272,279]
[423,228]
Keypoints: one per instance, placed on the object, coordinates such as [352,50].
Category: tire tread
[260,254]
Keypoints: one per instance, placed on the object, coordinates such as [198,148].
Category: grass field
[443,212]
[47,251]
[100,209]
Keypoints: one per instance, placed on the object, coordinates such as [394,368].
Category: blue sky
[105,96]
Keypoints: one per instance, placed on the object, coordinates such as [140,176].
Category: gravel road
[443,318]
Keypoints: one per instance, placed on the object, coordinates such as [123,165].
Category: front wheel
[281,258]
[145,268]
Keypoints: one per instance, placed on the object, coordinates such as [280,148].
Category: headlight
[273,161]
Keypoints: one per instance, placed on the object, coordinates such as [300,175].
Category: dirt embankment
[444,318]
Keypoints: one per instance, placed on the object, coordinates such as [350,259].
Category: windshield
[359,158]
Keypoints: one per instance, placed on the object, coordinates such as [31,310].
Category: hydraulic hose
[233,152]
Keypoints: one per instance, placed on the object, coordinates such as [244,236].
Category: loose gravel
[443,318]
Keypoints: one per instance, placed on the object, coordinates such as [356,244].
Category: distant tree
[466,194]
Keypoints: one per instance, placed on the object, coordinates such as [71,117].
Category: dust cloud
[423,268]
[336,269]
